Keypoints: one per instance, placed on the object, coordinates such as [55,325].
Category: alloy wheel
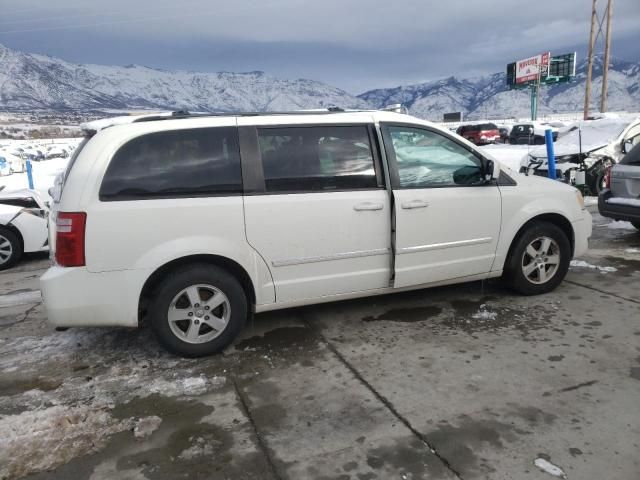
[541,260]
[199,313]
[6,250]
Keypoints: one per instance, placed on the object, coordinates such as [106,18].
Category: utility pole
[592,40]
[607,53]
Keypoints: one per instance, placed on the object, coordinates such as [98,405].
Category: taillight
[607,177]
[70,228]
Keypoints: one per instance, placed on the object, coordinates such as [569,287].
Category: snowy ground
[45,171]
[497,385]
[509,155]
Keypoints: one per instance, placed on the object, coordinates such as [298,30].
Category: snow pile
[619,225]
[550,468]
[633,202]
[200,448]
[40,440]
[632,250]
[146,426]
[583,264]
[483,314]
[182,386]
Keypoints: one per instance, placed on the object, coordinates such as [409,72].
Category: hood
[596,134]
[24,198]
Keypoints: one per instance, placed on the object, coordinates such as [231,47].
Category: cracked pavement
[469,381]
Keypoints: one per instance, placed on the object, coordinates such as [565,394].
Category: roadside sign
[452,117]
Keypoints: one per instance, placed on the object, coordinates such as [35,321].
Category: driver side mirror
[491,170]
[627,145]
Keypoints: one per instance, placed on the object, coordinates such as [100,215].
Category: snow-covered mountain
[488,97]
[30,82]
[38,82]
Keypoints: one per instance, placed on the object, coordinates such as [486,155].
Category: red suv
[480,133]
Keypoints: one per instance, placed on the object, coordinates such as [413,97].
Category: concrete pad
[495,381]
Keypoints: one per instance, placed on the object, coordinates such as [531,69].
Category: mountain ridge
[487,96]
[33,82]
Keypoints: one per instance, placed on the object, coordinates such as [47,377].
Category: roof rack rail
[178,114]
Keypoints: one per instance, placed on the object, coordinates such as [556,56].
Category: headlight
[580,199]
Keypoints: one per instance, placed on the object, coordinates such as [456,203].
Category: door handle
[367,206]
[414,204]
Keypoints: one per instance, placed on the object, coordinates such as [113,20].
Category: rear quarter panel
[147,234]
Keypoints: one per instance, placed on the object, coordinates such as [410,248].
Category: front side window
[178,163]
[319,158]
[428,159]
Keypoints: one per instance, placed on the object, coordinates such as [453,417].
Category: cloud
[355,44]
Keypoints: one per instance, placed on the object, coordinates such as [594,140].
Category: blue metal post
[29,174]
[551,156]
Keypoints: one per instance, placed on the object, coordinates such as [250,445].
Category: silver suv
[621,200]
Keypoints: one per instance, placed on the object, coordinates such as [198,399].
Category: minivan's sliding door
[316,208]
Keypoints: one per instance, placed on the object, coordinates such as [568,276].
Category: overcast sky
[353,44]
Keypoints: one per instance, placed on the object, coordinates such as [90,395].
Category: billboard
[558,69]
[531,68]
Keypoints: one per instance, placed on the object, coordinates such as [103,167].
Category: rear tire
[198,310]
[10,248]
[539,259]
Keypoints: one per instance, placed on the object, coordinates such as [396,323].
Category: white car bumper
[581,232]
[74,297]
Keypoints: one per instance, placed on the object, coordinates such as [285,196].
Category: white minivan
[193,222]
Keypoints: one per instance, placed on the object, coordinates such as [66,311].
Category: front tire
[10,248]
[198,310]
[539,259]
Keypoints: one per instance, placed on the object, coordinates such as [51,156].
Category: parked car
[23,225]
[504,134]
[16,163]
[479,133]
[591,146]
[56,152]
[191,223]
[5,166]
[532,133]
[620,199]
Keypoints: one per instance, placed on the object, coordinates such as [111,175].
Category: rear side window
[322,158]
[633,157]
[179,163]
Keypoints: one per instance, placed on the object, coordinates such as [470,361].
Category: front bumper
[582,229]
[627,213]
[75,297]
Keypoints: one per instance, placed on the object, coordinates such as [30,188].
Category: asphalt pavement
[464,382]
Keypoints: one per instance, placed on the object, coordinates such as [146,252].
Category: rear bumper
[582,232]
[615,211]
[74,297]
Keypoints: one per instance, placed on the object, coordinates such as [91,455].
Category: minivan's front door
[447,218]
[318,212]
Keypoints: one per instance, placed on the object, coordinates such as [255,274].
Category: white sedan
[23,225]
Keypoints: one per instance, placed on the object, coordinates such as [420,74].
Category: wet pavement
[469,381]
